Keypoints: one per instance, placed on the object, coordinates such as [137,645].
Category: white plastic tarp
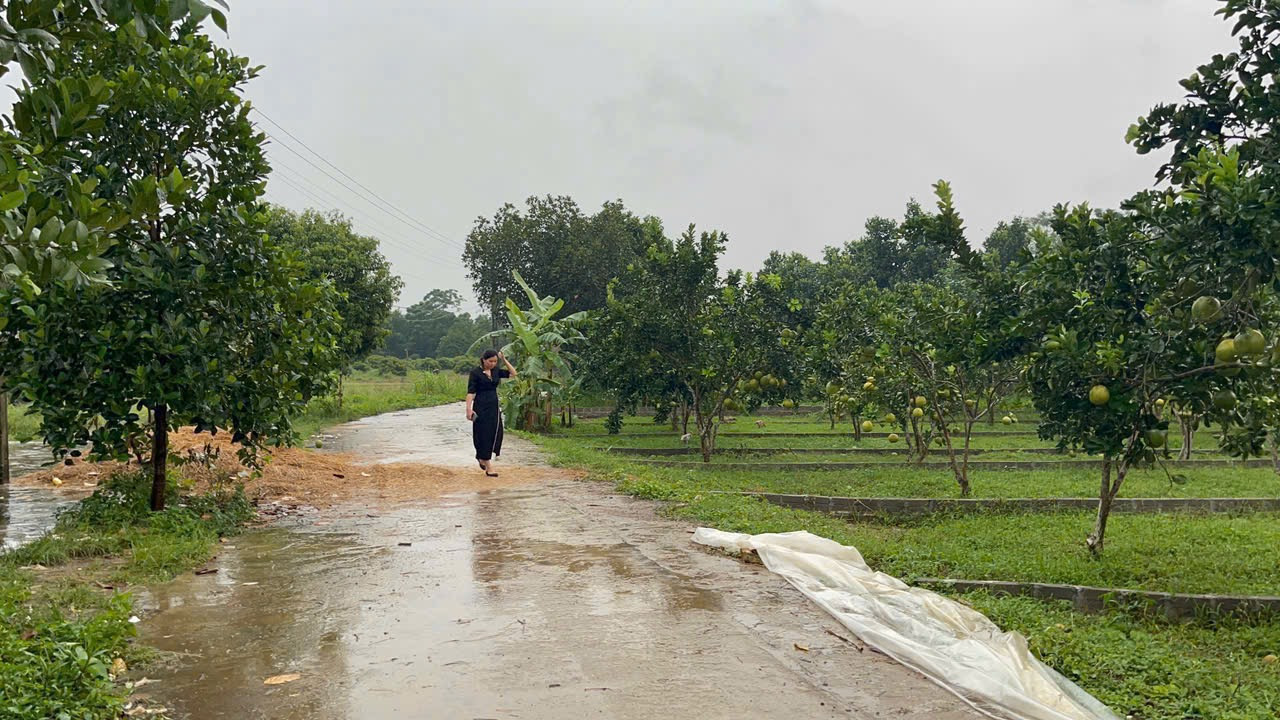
[950,643]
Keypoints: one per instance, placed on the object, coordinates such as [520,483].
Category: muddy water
[27,512]
[553,601]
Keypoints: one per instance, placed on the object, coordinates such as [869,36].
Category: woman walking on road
[483,410]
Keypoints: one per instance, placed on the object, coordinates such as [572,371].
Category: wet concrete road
[27,512]
[561,600]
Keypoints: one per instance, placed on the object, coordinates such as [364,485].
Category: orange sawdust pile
[300,476]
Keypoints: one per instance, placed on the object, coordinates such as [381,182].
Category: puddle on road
[26,513]
[436,435]
[476,608]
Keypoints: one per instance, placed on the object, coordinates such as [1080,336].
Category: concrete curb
[807,451]
[973,465]
[1094,599]
[862,507]
[824,434]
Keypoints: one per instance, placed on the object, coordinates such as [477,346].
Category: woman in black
[483,410]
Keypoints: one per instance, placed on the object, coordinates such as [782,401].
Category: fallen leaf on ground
[802,648]
[118,667]
[281,679]
[206,571]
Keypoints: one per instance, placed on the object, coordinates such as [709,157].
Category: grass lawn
[1141,666]
[61,632]
[366,394]
[23,426]
[896,479]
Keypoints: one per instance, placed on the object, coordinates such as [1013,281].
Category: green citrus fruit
[868,426]
[1156,438]
[1250,342]
[1006,420]
[1099,395]
[1224,399]
[917,413]
[893,437]
[1206,308]
[1226,351]
[921,401]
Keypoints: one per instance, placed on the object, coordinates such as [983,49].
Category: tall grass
[370,394]
[24,426]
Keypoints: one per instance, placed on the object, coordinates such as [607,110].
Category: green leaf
[12,200]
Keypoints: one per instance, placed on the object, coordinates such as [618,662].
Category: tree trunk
[4,438]
[1106,495]
[857,429]
[961,472]
[342,377]
[684,417]
[1188,425]
[1097,537]
[159,456]
[1275,451]
[832,414]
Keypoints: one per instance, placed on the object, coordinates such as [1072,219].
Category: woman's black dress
[486,429]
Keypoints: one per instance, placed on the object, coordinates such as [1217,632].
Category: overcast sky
[784,123]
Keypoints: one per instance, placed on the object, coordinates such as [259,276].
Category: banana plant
[536,343]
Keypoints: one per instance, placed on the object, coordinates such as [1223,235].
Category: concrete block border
[1083,598]
[784,434]
[866,507]
[656,452]
[931,465]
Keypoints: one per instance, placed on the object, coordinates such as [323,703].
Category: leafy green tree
[889,252]
[557,248]
[671,319]
[462,335]
[420,330]
[1230,100]
[1012,242]
[32,255]
[1161,302]
[203,321]
[32,34]
[331,251]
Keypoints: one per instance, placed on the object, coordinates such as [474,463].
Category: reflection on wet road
[548,601]
[27,512]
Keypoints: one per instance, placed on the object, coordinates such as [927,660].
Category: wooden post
[4,438]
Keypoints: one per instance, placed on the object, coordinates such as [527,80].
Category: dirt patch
[301,476]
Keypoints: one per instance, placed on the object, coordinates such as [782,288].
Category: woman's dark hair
[490,353]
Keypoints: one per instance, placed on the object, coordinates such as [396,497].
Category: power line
[407,218]
[348,187]
[382,232]
[414,249]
